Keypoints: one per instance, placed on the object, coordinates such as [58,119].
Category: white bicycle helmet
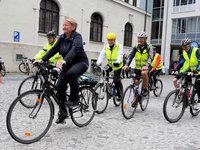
[186,41]
[142,35]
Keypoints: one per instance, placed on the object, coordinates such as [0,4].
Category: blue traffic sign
[16,36]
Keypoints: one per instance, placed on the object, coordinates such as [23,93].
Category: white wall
[23,16]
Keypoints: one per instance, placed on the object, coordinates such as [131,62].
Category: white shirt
[102,56]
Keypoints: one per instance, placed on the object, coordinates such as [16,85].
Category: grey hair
[72,21]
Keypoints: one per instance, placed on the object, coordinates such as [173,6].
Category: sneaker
[197,106]
[144,92]
[61,117]
[153,87]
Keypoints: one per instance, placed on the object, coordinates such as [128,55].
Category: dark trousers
[154,74]
[69,74]
[117,81]
[124,73]
[197,84]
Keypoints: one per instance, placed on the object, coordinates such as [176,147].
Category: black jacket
[71,49]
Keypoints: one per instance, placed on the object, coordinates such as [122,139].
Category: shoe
[61,117]
[144,92]
[197,106]
[134,104]
[153,87]
[72,104]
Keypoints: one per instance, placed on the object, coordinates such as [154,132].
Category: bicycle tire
[3,71]
[9,115]
[161,88]
[22,68]
[124,103]
[105,100]
[166,115]
[194,112]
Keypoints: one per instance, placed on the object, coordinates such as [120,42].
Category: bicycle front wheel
[129,102]
[83,114]
[28,125]
[102,101]
[159,88]
[174,106]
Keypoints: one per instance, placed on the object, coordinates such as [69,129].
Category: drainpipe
[145,17]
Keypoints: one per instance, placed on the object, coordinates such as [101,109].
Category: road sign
[16,36]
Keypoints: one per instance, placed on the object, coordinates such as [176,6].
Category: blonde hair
[72,21]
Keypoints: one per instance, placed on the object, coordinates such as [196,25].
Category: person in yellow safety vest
[190,62]
[51,36]
[156,67]
[143,55]
[113,52]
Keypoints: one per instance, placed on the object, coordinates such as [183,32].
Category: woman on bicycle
[74,63]
[156,67]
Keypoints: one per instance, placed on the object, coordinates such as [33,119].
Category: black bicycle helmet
[51,34]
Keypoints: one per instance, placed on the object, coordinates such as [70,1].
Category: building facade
[177,19]
[24,24]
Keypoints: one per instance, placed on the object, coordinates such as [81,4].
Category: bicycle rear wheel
[30,83]
[102,101]
[83,114]
[23,68]
[129,102]
[159,88]
[3,70]
[28,125]
[174,106]
[193,110]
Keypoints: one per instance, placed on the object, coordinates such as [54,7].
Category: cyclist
[190,61]
[1,80]
[156,67]
[143,55]
[113,52]
[51,36]
[74,64]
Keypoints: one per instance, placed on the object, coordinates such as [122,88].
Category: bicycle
[2,68]
[133,95]
[25,66]
[159,86]
[106,90]
[23,124]
[179,99]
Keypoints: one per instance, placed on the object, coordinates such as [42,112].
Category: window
[127,1]
[96,28]
[135,3]
[174,26]
[181,26]
[49,16]
[191,24]
[198,26]
[128,34]
[183,2]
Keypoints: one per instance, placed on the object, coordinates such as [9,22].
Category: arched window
[96,28]
[49,16]
[128,34]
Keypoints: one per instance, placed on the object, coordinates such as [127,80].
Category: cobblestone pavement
[145,131]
